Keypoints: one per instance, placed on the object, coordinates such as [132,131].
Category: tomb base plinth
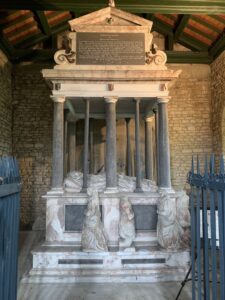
[67,263]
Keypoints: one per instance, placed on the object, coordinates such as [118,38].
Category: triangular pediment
[110,17]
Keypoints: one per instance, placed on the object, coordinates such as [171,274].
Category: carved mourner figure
[126,225]
[93,238]
[173,221]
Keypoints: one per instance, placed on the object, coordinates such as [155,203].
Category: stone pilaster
[149,148]
[164,177]
[57,158]
[111,158]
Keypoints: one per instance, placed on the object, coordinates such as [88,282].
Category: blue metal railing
[9,227]
[207,204]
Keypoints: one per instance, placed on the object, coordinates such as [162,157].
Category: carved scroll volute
[66,55]
[156,57]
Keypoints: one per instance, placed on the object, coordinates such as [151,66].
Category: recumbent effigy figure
[126,224]
[74,180]
[92,238]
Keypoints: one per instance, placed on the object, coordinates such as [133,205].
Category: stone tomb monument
[109,226]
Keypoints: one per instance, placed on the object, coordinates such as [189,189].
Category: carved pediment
[111,18]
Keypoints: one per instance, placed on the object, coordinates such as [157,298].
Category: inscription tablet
[145,217]
[110,48]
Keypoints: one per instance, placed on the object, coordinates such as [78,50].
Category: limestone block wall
[5,106]
[32,140]
[189,129]
[218,104]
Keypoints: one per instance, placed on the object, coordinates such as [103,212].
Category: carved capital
[62,57]
[137,99]
[57,98]
[112,99]
[149,119]
[163,99]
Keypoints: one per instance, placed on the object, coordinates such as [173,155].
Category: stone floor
[151,291]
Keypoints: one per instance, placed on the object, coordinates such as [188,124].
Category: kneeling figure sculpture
[126,225]
[92,238]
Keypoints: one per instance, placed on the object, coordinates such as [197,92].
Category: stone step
[101,276]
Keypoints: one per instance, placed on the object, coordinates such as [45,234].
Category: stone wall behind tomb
[189,119]
[189,126]
[5,106]
[218,104]
[32,139]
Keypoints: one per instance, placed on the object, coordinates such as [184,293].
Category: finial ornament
[111,3]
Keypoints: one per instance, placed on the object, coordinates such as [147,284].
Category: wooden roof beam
[5,45]
[42,22]
[141,6]
[218,47]
[180,26]
[40,37]
[184,39]
[169,41]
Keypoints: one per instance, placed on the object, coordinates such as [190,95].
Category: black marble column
[137,147]
[111,157]
[164,178]
[156,146]
[57,158]
[65,147]
[72,145]
[91,146]
[128,152]
[86,146]
[148,148]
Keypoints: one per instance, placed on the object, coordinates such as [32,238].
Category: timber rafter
[195,24]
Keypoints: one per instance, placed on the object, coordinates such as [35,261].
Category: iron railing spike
[206,166]
[221,164]
[192,164]
[212,163]
[198,165]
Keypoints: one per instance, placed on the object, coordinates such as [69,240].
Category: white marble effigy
[74,181]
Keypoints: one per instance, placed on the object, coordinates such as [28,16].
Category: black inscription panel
[74,217]
[110,48]
[145,217]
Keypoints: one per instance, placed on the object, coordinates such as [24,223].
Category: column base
[84,190]
[111,190]
[169,190]
[138,190]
